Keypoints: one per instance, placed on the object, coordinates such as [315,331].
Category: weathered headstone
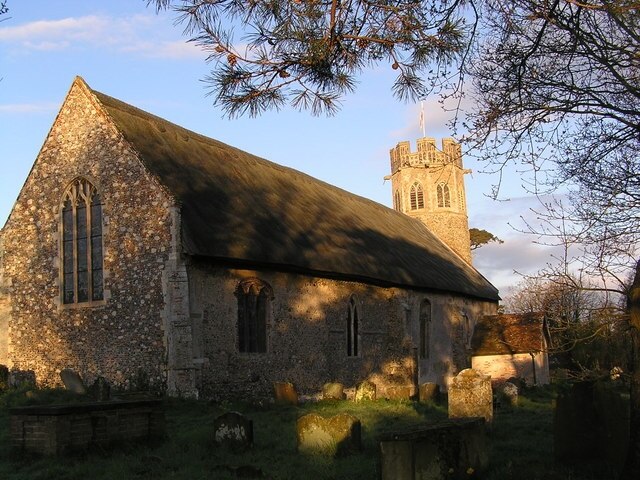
[429,393]
[333,391]
[591,425]
[338,435]
[508,394]
[453,449]
[398,392]
[100,389]
[20,378]
[285,393]
[233,431]
[72,381]
[4,377]
[470,395]
[365,391]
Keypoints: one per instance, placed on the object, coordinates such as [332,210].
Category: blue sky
[126,50]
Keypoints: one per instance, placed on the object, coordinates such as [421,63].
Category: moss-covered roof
[509,334]
[241,208]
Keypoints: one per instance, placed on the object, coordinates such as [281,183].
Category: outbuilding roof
[241,208]
[508,334]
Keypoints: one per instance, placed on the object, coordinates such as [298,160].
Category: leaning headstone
[365,391]
[233,431]
[285,393]
[100,389]
[335,436]
[429,393]
[72,381]
[333,391]
[22,378]
[470,395]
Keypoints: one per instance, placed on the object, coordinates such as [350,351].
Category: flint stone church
[139,248]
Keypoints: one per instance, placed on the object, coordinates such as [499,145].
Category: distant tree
[309,53]
[3,8]
[481,237]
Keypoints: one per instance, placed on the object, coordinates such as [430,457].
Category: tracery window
[444,195]
[254,306]
[425,329]
[82,257]
[417,196]
[353,327]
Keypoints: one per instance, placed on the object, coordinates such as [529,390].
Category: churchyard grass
[520,443]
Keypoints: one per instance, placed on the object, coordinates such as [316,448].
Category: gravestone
[285,393]
[365,391]
[333,391]
[508,394]
[335,436]
[470,395]
[233,431]
[21,378]
[453,449]
[591,425]
[100,389]
[72,381]
[398,392]
[429,393]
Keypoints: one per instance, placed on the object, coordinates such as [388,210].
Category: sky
[125,49]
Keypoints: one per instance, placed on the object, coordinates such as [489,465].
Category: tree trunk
[632,465]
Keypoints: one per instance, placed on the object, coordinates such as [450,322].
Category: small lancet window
[82,258]
[417,196]
[353,328]
[425,329]
[254,306]
[444,195]
[397,201]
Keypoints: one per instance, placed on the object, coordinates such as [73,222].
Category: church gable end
[82,254]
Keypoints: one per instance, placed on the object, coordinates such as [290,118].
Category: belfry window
[254,306]
[397,201]
[82,258]
[417,196]
[444,195]
[353,327]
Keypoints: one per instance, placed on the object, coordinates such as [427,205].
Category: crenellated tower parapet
[428,184]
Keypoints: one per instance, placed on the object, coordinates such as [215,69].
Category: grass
[520,443]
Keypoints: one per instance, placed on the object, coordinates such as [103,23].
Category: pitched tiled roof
[509,334]
[241,208]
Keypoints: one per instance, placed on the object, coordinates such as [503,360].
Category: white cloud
[45,107]
[143,35]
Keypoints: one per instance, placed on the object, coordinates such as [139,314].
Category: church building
[139,249]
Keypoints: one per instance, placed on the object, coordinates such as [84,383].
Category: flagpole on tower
[422,118]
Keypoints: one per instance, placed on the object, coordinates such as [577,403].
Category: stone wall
[520,365]
[116,337]
[306,339]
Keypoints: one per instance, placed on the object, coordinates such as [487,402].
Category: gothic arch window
[254,307]
[444,195]
[353,329]
[81,232]
[397,200]
[425,329]
[417,196]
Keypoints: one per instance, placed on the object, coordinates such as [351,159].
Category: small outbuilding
[512,345]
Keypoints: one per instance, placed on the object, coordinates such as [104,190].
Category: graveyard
[517,441]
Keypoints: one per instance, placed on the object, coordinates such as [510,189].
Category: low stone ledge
[59,429]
